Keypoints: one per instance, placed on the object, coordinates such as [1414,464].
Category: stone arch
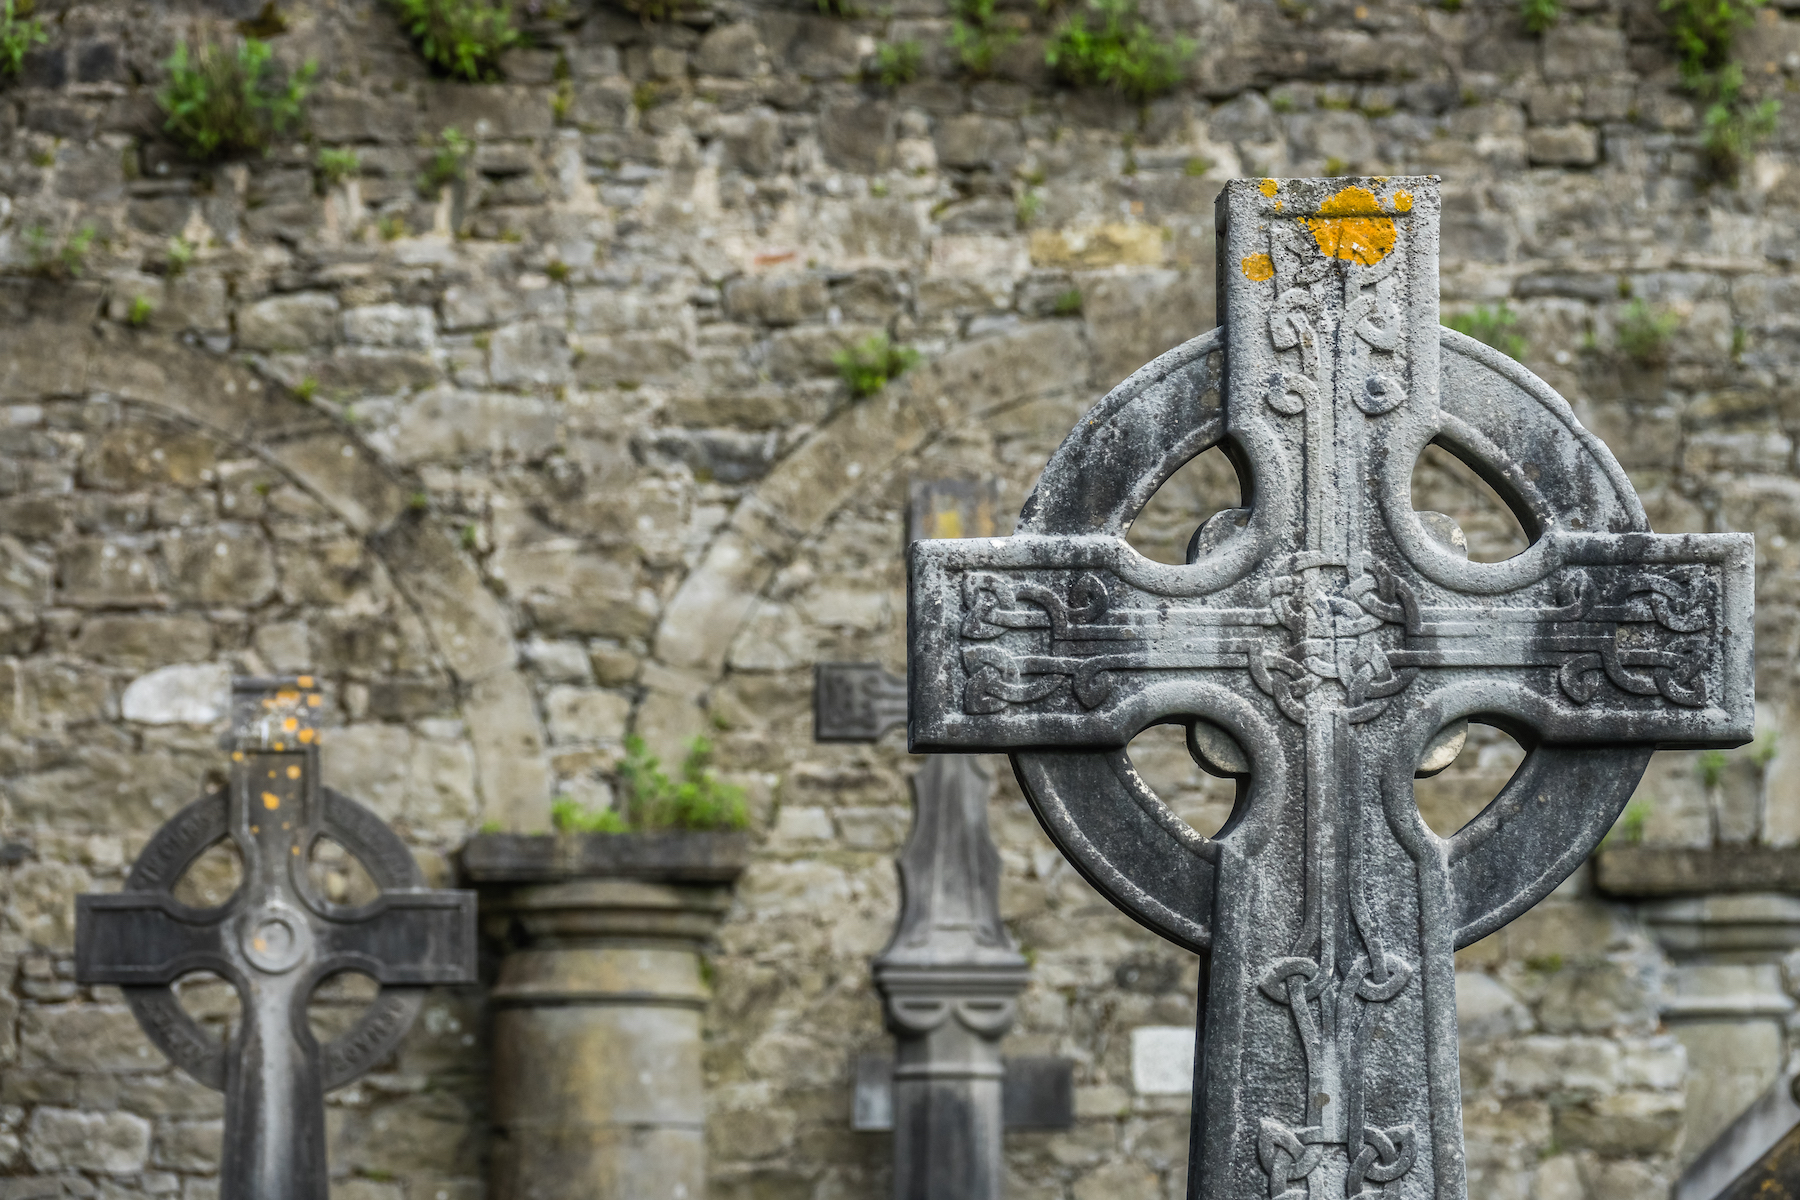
[469,629]
[856,450]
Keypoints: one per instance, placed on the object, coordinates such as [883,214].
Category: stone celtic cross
[1323,644]
[275,941]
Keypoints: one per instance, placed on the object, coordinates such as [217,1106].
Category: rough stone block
[731,50]
[785,299]
[1112,245]
[137,456]
[446,423]
[858,135]
[568,591]
[1564,145]
[577,714]
[973,141]
[60,1139]
[406,326]
[1627,1123]
[1580,51]
[192,694]
[86,1037]
[295,322]
[230,563]
[107,573]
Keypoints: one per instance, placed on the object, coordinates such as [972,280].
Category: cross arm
[1079,641]
[405,938]
[144,939]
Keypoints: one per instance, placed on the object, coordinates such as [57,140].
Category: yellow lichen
[1258,267]
[1352,226]
[1402,201]
[1269,187]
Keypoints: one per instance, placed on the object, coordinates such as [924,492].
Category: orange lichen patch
[1270,187]
[289,724]
[1258,267]
[306,736]
[1402,201]
[293,772]
[312,701]
[304,681]
[237,756]
[1352,226]
[271,801]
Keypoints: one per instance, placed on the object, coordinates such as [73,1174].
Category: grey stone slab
[275,940]
[1637,872]
[856,702]
[1037,1092]
[672,857]
[1323,645]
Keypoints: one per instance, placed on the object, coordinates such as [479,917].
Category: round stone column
[596,1088]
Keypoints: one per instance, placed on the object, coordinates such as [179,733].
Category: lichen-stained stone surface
[561,452]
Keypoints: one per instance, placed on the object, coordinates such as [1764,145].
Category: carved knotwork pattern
[1371,639]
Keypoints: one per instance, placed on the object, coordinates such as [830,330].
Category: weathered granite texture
[526,509]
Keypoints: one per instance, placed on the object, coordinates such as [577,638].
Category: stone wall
[558,452]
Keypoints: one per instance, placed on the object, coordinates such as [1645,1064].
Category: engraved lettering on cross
[1322,643]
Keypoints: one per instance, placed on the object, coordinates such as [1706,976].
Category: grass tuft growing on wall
[226,100]
[867,366]
[1109,45]
[1493,326]
[18,34]
[463,39]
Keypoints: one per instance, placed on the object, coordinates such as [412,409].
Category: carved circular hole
[1456,793]
[338,1002]
[1162,758]
[212,878]
[1444,484]
[337,876]
[1205,486]
[212,1001]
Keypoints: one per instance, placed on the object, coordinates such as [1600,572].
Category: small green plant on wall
[649,799]
[1644,332]
[447,163]
[336,165]
[1539,15]
[867,366]
[463,39]
[18,34]
[221,100]
[1493,326]
[1109,45]
[977,35]
[1704,32]
[898,62]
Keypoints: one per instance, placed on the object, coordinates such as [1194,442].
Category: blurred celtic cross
[1323,644]
[275,940]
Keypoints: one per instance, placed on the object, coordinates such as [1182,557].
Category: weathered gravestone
[951,974]
[1322,644]
[275,940]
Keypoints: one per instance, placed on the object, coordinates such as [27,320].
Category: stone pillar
[1725,1001]
[950,978]
[596,1091]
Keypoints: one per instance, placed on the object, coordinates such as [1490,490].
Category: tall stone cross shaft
[275,941]
[1322,644]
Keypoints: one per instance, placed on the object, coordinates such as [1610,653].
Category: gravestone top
[1323,644]
[275,940]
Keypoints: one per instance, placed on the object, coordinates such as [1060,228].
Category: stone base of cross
[275,941]
[1323,644]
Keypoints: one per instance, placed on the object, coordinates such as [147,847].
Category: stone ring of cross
[274,936]
[1324,644]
